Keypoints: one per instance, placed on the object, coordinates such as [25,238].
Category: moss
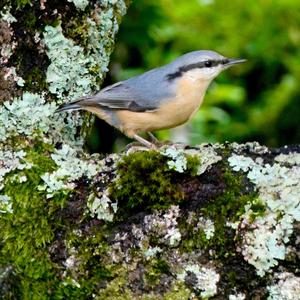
[27,234]
[178,292]
[39,155]
[227,207]
[22,3]
[77,30]
[116,289]
[192,164]
[31,230]
[258,209]
[155,270]
[146,182]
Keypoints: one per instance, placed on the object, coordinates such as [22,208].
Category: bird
[164,97]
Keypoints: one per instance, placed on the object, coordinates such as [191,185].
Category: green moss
[258,209]
[29,17]
[178,292]
[35,75]
[29,229]
[227,207]
[155,269]
[116,289]
[78,30]
[146,182]
[91,248]
[22,3]
[192,164]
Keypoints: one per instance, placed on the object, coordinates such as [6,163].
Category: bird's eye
[208,64]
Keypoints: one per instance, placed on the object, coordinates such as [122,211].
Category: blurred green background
[258,100]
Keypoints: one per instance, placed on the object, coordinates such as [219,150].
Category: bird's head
[202,65]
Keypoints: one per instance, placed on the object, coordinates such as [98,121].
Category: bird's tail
[75,105]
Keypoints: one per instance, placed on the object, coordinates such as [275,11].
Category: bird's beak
[234,61]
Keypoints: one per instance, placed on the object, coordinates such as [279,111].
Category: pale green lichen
[15,120]
[80,4]
[119,5]
[32,117]
[11,72]
[289,159]
[152,252]
[207,226]
[286,287]
[239,296]
[206,279]
[102,29]
[68,74]
[70,168]
[102,207]
[264,241]
[6,16]
[207,157]
[5,204]
[178,161]
[10,161]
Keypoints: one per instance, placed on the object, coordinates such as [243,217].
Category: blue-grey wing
[141,93]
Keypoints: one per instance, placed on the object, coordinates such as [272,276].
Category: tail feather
[75,105]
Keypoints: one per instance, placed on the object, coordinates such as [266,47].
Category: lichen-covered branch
[214,221]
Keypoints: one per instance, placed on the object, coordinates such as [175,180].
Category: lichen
[286,286]
[102,207]
[5,204]
[68,73]
[11,72]
[207,157]
[264,237]
[9,80]
[42,123]
[7,16]
[7,46]
[75,71]
[70,168]
[207,226]
[80,4]
[289,159]
[205,279]
[11,161]
[152,251]
[164,227]
[178,161]
[239,296]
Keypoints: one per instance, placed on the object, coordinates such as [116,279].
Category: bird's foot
[144,142]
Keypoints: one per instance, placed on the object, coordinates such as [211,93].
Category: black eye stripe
[203,64]
[210,63]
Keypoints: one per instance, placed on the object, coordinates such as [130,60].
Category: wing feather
[118,96]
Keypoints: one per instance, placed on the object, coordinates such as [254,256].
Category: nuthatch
[161,98]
